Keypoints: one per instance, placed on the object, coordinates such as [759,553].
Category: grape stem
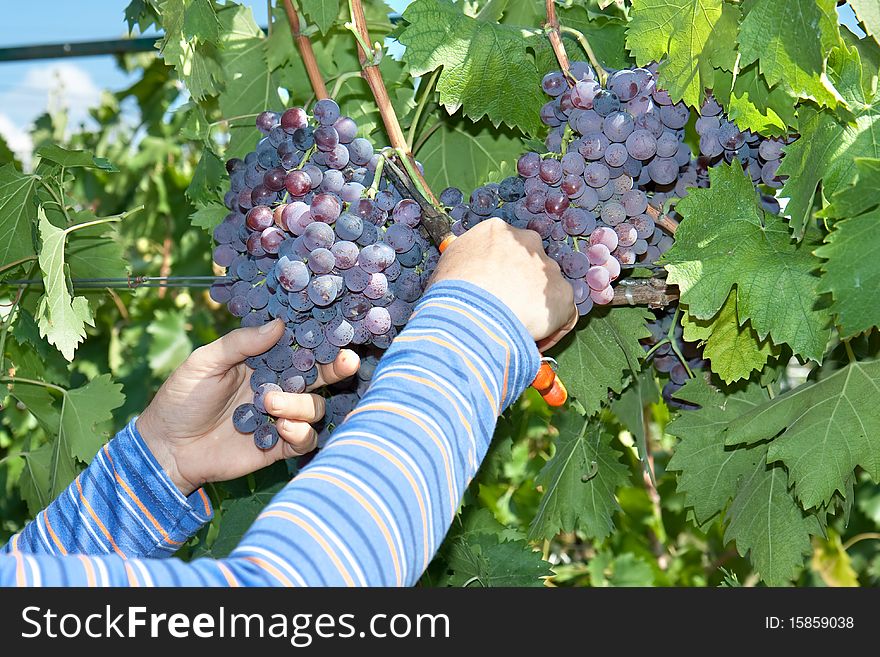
[304,45]
[551,29]
[665,222]
[651,292]
[377,177]
[427,92]
[601,73]
[380,94]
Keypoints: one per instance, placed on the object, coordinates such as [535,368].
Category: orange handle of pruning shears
[546,382]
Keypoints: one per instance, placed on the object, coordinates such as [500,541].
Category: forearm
[374,505]
[121,504]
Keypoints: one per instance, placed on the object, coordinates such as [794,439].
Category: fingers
[235,346]
[298,407]
[345,365]
[299,437]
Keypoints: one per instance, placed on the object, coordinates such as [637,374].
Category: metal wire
[132,282]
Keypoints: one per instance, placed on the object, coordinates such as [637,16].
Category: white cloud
[19,140]
[58,85]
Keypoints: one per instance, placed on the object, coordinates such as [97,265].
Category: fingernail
[268,327]
[269,402]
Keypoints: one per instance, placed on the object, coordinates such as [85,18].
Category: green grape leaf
[280,46]
[207,179]
[823,430]
[593,359]
[487,67]
[781,35]
[44,476]
[482,560]
[84,409]
[62,319]
[40,403]
[196,62]
[322,13]
[726,241]
[868,12]
[683,35]
[170,344]
[828,146]
[52,365]
[578,494]
[860,197]
[753,105]
[18,214]
[630,407]
[767,524]
[95,252]
[464,154]
[251,87]
[732,346]
[710,474]
[208,216]
[200,21]
[71,158]
[140,13]
[607,569]
[852,272]
[607,36]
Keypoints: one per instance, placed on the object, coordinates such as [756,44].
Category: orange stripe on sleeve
[265,565]
[52,532]
[97,520]
[91,579]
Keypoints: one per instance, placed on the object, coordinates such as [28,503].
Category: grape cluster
[312,238]
[662,346]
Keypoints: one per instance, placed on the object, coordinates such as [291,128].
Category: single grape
[266,436]
[246,418]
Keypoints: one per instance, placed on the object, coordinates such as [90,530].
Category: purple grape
[246,418]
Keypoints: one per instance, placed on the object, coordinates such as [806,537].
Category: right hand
[510,263]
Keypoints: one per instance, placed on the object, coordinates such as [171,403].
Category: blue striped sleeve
[373,506]
[123,504]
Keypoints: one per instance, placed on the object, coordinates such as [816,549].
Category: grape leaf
[50,365]
[40,403]
[825,430]
[709,473]
[630,409]
[484,560]
[828,145]
[72,158]
[593,358]
[321,12]
[682,34]
[753,105]
[464,154]
[868,12]
[768,525]
[44,478]
[607,36]
[170,344]
[200,21]
[62,319]
[95,252]
[607,569]
[781,36]
[18,214]
[207,179]
[726,241]
[577,494]
[852,272]
[487,69]
[208,216]
[732,346]
[251,87]
[860,197]
[83,410]
[195,59]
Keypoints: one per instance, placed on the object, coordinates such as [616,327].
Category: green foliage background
[773,479]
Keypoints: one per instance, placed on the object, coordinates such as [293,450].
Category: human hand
[511,264]
[188,424]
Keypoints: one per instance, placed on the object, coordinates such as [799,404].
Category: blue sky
[25,86]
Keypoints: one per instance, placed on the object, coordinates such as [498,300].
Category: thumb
[235,346]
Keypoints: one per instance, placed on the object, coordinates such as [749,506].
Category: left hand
[188,425]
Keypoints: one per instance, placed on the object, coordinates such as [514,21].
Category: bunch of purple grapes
[664,358]
[312,240]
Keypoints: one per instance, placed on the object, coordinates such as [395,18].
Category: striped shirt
[369,510]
